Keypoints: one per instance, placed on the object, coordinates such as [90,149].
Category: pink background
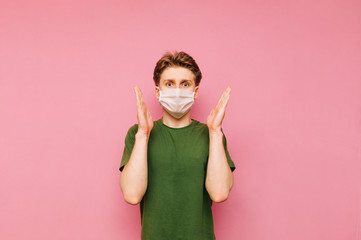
[293,123]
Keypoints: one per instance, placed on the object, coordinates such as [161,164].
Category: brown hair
[177,59]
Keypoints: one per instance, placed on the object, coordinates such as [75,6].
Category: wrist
[141,135]
[215,132]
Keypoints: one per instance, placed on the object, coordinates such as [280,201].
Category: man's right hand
[145,121]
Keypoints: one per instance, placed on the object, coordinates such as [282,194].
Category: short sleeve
[128,145]
[229,159]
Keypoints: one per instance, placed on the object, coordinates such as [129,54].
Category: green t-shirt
[176,204]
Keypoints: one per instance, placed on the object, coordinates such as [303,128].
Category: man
[176,167]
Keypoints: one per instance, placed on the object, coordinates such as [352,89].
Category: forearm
[134,177]
[219,177]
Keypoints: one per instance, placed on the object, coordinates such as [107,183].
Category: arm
[219,179]
[134,177]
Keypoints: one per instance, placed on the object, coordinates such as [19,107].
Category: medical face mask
[176,101]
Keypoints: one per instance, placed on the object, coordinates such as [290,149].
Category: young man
[176,166]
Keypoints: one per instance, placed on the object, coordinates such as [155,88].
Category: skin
[219,179]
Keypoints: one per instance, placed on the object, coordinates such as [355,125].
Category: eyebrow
[183,80]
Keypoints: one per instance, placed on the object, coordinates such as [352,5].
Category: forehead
[177,74]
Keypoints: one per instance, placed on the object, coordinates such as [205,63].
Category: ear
[196,91]
[156,90]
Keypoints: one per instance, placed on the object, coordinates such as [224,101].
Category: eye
[185,84]
[169,84]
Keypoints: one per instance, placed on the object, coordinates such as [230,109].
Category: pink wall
[293,123]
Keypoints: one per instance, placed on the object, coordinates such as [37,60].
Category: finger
[221,107]
[140,91]
[226,96]
[228,89]
[149,116]
[226,101]
[212,112]
[140,103]
[226,92]
[141,96]
[221,99]
[136,90]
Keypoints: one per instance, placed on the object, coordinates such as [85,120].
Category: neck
[173,122]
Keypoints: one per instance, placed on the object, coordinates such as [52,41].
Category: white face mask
[176,101]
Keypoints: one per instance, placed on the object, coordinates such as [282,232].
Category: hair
[176,59]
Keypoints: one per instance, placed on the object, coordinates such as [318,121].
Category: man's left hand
[215,118]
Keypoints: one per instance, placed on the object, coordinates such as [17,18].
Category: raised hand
[145,121]
[215,118]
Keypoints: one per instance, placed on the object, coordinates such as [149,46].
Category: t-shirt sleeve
[229,159]
[128,145]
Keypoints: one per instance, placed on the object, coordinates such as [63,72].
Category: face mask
[176,101]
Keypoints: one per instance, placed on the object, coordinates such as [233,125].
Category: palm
[145,121]
[215,118]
